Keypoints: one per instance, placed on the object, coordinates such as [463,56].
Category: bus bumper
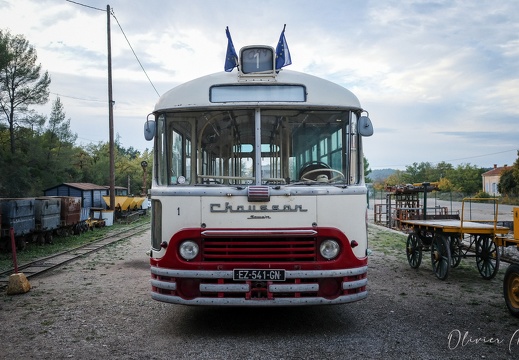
[216,288]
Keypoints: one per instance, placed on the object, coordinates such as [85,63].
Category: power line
[88,6]
[128,41]
[447,161]
[476,156]
[145,73]
[76,98]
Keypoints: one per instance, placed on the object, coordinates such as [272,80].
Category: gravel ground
[99,307]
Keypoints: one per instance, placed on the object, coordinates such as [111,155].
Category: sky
[440,79]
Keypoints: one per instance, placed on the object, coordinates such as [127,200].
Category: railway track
[42,265]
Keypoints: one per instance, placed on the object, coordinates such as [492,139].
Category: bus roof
[320,93]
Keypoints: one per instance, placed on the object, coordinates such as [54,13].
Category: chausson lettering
[228,208]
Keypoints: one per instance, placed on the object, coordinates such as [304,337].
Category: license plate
[254,274]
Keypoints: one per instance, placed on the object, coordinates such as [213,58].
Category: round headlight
[188,250]
[329,249]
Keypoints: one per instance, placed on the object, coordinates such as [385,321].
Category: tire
[511,289]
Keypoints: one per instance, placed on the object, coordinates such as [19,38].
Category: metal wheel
[413,250]
[40,239]
[48,238]
[511,289]
[456,252]
[487,257]
[441,256]
[21,243]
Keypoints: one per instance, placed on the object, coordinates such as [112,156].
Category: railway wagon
[70,216]
[38,219]
[47,214]
[18,214]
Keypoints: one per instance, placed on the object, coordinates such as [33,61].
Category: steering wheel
[338,176]
[314,167]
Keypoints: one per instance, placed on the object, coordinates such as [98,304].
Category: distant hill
[380,174]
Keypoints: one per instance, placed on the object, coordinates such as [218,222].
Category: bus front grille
[248,249]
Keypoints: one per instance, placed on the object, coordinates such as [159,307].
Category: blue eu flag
[231,59]
[282,52]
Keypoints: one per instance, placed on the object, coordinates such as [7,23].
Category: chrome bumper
[245,287]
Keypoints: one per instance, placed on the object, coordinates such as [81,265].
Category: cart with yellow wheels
[511,280]
[450,240]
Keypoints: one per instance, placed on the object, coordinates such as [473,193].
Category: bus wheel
[511,289]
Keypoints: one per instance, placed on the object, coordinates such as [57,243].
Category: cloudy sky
[439,78]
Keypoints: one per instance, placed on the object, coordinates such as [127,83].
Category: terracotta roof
[496,171]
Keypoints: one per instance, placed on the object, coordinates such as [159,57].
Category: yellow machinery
[95,219]
[516,224]
[511,280]
[126,203]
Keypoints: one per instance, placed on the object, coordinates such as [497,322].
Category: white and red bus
[258,193]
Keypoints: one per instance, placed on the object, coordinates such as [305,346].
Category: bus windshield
[257,147]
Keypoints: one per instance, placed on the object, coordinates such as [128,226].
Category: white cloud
[439,78]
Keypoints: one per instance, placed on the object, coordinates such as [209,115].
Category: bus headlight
[188,250]
[329,249]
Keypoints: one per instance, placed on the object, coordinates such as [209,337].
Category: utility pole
[110,113]
[144,165]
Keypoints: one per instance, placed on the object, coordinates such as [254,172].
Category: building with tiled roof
[491,179]
[91,194]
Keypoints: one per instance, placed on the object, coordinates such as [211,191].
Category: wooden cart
[450,240]
[447,242]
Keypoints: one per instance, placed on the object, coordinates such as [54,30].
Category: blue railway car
[18,214]
[47,217]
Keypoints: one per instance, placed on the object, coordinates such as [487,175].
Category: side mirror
[149,129]
[365,126]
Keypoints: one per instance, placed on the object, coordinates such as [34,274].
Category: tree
[58,151]
[21,82]
[446,185]
[396,178]
[466,178]
[515,170]
[4,54]
[419,173]
[509,180]
[58,132]
[367,170]
[507,184]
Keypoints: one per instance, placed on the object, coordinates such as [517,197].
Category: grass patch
[35,251]
[386,241]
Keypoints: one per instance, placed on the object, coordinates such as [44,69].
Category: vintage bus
[258,192]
